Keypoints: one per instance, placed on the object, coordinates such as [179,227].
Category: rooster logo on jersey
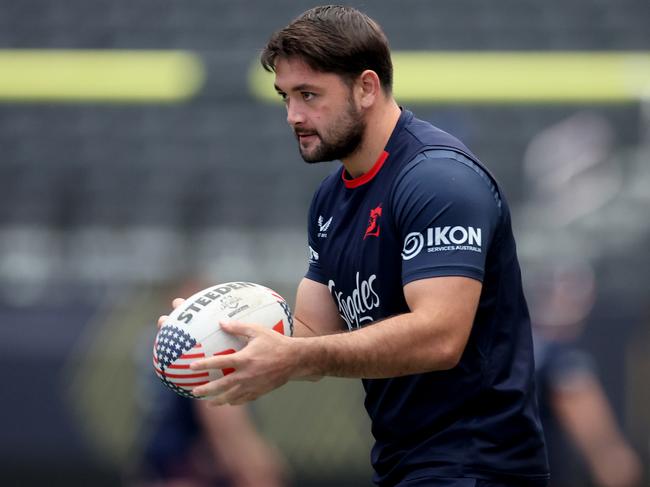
[373,224]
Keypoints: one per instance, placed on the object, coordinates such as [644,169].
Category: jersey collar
[352,183]
[364,178]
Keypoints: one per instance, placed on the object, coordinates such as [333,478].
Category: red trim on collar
[364,178]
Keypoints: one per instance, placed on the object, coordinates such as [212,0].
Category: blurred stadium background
[115,190]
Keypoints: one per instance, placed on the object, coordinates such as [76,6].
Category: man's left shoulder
[428,134]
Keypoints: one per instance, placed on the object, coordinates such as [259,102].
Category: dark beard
[341,142]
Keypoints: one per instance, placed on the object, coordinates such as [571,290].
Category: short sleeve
[447,210]
[567,365]
[315,270]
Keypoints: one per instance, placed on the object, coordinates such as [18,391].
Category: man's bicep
[315,312]
[449,305]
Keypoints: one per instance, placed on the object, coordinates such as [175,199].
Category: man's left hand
[268,361]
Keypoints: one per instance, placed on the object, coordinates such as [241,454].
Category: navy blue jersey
[428,208]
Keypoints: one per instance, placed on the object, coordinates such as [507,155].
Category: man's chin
[322,153]
[311,157]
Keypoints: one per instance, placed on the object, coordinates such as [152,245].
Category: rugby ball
[192,331]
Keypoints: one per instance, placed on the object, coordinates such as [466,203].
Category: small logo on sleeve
[323,226]
[373,223]
[313,255]
[442,239]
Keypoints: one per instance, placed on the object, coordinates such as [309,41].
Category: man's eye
[306,95]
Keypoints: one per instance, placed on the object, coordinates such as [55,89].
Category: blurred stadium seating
[102,202]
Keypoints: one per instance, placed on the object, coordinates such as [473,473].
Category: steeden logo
[373,224]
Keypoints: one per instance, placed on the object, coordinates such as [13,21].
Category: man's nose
[295,116]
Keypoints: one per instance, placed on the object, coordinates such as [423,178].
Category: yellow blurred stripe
[508,77]
[135,76]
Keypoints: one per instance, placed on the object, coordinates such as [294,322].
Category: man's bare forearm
[401,345]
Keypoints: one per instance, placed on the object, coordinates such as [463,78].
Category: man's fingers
[176,302]
[234,396]
[239,328]
[217,387]
[229,361]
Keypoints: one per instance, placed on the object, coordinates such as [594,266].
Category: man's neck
[380,125]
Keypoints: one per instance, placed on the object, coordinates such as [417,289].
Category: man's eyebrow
[302,87]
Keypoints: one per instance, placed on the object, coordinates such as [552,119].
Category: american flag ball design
[191,331]
[174,351]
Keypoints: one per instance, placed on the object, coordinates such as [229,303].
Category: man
[412,254]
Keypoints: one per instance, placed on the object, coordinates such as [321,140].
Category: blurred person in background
[578,195]
[448,362]
[185,443]
[584,440]
[192,445]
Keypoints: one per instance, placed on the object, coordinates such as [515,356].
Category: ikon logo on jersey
[373,223]
[442,239]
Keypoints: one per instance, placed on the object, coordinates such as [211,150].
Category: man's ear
[368,88]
